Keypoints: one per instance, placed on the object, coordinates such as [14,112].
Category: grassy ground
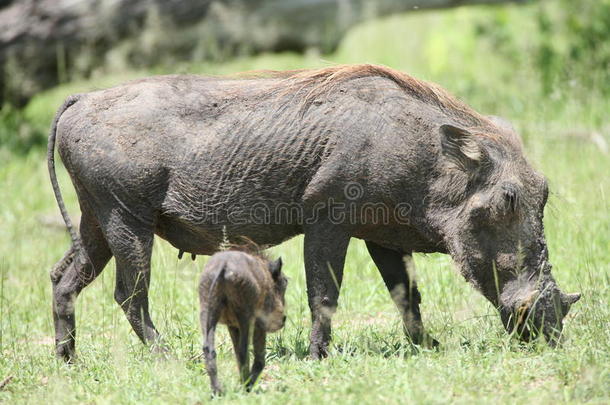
[369,362]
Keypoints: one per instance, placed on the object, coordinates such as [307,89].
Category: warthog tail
[51,164]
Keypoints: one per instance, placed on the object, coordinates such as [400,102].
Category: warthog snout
[537,312]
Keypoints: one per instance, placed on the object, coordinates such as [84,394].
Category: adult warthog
[347,151]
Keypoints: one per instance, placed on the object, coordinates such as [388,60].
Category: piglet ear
[460,147]
[275,267]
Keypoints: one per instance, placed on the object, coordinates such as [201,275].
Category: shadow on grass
[370,343]
[284,346]
[386,345]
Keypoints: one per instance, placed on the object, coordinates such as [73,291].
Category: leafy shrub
[574,43]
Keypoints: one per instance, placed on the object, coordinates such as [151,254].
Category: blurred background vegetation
[508,59]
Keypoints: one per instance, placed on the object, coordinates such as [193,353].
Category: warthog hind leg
[76,270]
[131,242]
[209,322]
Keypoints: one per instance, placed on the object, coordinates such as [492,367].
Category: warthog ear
[460,147]
[275,268]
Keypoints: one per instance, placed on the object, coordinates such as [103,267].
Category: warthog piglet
[242,291]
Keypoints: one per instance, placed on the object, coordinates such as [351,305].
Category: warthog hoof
[318,351]
[65,352]
[426,341]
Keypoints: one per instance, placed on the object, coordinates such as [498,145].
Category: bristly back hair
[317,82]
[246,245]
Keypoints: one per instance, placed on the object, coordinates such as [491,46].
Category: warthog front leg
[76,270]
[240,338]
[394,269]
[325,249]
[258,342]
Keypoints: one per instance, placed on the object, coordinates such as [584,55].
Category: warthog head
[273,314]
[489,205]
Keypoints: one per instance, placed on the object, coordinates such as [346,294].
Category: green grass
[369,361]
